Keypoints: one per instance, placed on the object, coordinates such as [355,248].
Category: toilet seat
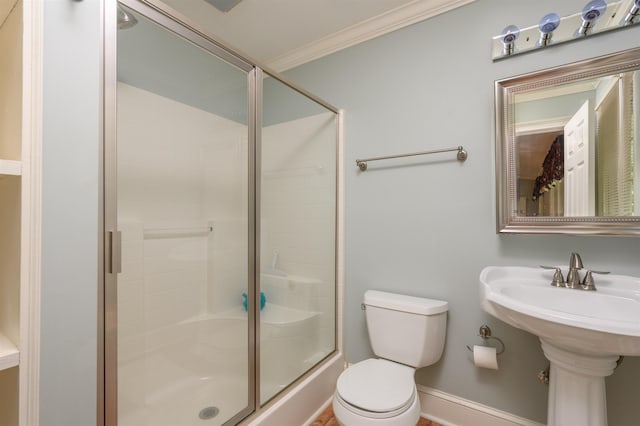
[377,388]
[374,414]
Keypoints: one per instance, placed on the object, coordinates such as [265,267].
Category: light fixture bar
[223,5]
[595,18]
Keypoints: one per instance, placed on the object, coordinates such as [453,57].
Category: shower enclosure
[220,206]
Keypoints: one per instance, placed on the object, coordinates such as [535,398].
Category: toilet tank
[406,329]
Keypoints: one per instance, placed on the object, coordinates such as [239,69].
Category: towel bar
[462,155]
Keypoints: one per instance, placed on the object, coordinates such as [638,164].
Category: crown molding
[392,20]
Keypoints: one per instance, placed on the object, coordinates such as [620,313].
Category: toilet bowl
[382,391]
[377,392]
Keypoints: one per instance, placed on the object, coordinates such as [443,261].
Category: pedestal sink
[582,333]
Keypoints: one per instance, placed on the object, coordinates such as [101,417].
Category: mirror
[568,148]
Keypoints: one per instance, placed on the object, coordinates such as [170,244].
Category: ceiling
[282,34]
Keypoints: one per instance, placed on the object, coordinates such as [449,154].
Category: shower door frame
[109,252]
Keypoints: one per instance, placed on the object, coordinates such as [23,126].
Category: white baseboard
[450,410]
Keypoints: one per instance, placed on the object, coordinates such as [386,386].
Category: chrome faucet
[573,276]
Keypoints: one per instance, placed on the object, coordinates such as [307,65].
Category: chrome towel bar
[462,155]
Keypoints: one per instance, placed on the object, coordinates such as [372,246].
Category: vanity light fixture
[596,17]
[590,14]
[223,5]
[633,13]
[508,37]
[126,19]
[548,25]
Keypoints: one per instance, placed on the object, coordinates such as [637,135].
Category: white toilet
[405,333]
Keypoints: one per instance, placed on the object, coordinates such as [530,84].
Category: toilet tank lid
[401,302]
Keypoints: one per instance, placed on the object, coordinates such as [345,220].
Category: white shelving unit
[10,168]
[10,208]
[9,353]
[20,147]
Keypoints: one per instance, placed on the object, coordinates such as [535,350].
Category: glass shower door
[183,197]
[298,193]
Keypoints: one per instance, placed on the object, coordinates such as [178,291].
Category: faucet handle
[558,279]
[575,261]
[588,283]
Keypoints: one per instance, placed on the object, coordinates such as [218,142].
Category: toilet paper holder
[485,333]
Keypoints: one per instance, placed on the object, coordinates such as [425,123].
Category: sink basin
[582,333]
[606,321]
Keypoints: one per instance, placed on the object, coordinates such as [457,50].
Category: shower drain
[208,413]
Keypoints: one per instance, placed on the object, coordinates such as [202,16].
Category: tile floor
[328,419]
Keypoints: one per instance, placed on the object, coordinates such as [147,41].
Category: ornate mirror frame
[507,220]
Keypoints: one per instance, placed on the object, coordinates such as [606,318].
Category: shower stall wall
[220,226]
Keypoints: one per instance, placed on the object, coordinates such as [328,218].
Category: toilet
[406,333]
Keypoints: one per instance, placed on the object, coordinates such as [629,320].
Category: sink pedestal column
[576,386]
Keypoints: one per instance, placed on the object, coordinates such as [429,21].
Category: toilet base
[345,417]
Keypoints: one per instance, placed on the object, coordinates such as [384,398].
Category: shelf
[10,168]
[9,354]
[156,233]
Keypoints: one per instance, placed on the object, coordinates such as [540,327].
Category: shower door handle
[114,260]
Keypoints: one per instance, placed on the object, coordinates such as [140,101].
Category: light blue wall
[71,110]
[427,226]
